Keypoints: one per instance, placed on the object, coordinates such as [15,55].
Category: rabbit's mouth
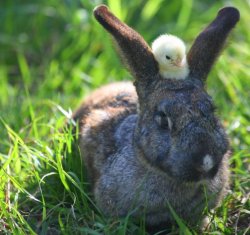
[193,175]
[186,167]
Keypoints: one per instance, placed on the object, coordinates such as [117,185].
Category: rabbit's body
[123,181]
[99,116]
[159,144]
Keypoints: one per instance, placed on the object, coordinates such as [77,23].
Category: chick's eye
[167,57]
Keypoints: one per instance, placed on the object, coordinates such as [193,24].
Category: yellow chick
[170,52]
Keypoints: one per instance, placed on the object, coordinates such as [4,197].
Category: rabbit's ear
[132,47]
[210,41]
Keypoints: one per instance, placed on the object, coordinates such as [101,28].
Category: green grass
[53,53]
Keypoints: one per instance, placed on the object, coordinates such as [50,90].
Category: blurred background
[53,53]
[55,50]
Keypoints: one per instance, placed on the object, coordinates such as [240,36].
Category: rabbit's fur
[158,143]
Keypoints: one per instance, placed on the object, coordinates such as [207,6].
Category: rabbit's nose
[207,164]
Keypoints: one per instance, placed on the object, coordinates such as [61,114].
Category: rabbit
[156,144]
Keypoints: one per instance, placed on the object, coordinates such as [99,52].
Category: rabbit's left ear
[132,47]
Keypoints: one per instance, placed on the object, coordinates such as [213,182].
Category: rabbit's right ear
[210,42]
[132,47]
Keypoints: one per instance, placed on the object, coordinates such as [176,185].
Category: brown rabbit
[157,143]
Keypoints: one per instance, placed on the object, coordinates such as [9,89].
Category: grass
[53,53]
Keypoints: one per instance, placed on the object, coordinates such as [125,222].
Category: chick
[170,52]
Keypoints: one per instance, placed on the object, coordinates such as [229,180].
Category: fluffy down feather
[170,52]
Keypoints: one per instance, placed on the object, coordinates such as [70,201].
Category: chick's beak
[178,62]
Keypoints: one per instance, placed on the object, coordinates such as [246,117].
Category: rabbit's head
[177,130]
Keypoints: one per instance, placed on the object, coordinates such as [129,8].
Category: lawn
[52,54]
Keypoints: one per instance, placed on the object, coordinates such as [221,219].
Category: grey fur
[136,162]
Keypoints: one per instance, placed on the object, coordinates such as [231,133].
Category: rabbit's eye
[163,120]
[168,57]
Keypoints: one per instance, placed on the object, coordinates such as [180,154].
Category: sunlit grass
[53,53]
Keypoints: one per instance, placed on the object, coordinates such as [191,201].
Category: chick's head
[170,52]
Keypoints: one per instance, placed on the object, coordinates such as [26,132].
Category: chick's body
[170,53]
